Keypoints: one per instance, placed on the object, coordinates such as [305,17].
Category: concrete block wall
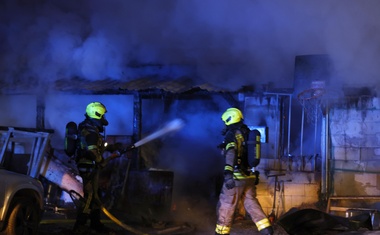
[301,184]
[300,189]
[354,155]
[355,145]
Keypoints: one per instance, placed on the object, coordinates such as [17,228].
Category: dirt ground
[199,220]
[245,227]
[197,216]
[63,227]
[192,221]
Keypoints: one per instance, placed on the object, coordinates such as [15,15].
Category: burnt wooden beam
[137,117]
[40,119]
[232,101]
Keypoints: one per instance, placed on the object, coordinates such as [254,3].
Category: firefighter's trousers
[244,190]
[90,209]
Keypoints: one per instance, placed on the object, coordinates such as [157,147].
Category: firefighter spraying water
[86,143]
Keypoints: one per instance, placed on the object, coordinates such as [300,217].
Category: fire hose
[79,200]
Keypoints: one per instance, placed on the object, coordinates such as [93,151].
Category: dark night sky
[229,42]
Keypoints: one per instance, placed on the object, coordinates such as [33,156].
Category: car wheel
[24,218]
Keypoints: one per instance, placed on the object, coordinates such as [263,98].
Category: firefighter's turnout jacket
[236,161]
[89,161]
[91,149]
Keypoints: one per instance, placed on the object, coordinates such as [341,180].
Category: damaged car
[21,192]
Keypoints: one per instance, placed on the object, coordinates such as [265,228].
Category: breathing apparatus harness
[239,133]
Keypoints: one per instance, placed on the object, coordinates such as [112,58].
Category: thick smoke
[226,43]
[229,43]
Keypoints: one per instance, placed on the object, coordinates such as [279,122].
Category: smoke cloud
[229,43]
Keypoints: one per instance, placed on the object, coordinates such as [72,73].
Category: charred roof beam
[231,100]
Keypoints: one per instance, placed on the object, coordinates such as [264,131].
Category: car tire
[24,218]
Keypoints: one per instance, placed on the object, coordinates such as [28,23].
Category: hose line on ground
[78,200]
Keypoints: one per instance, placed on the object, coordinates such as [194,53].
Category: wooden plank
[344,209]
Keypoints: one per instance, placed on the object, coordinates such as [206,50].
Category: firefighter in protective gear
[239,181]
[89,162]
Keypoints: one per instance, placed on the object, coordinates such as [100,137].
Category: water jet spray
[171,126]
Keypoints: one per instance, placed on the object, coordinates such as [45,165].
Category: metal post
[302,126]
[323,156]
[315,134]
[289,124]
[277,129]
[327,151]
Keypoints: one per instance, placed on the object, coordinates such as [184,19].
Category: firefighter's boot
[97,225]
[80,224]
[267,231]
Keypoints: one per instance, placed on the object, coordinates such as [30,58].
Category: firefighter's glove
[257,179]
[229,180]
[115,154]
[113,147]
[129,148]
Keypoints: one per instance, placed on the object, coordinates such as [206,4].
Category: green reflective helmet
[96,110]
[231,116]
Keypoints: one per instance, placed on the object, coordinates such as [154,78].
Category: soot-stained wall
[355,145]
